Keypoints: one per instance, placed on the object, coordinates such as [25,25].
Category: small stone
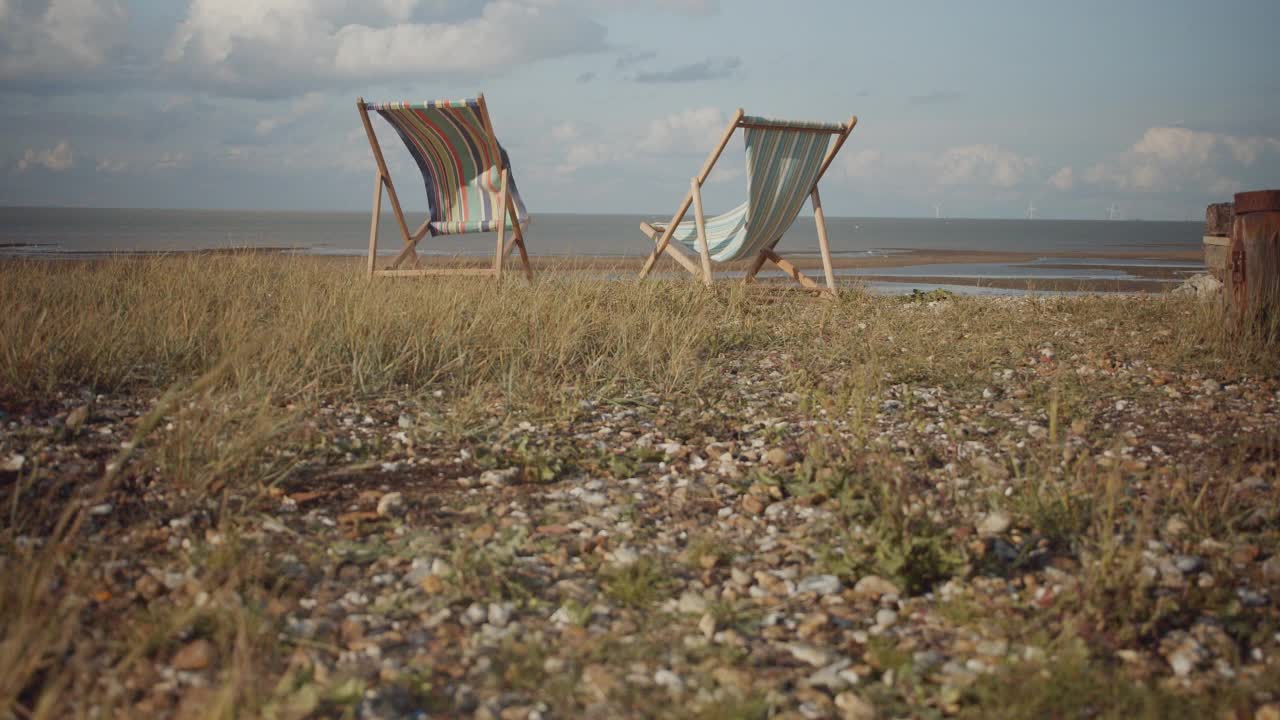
[500,478]
[598,682]
[1188,563]
[810,655]
[853,707]
[391,505]
[1176,527]
[669,680]
[820,584]
[994,524]
[1183,661]
[76,419]
[885,618]
[14,463]
[753,505]
[1268,712]
[875,587]
[432,584]
[691,603]
[733,679]
[1271,569]
[148,588]
[624,556]
[707,626]
[405,422]
[777,457]
[499,615]
[196,655]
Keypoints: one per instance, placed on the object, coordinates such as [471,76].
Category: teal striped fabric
[782,167]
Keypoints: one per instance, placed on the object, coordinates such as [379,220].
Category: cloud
[694,129]
[1174,158]
[586,77]
[935,98]
[709,69]
[263,47]
[57,158]
[691,8]
[112,167]
[633,58]
[980,164]
[861,164]
[1064,179]
[56,41]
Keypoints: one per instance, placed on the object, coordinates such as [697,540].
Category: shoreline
[1166,270]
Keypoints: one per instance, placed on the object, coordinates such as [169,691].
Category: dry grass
[240,350]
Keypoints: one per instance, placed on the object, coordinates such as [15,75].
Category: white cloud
[980,164]
[1064,179]
[861,164]
[270,46]
[1168,158]
[57,158]
[695,129]
[565,132]
[109,166]
[47,40]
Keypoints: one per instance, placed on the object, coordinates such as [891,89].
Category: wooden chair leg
[373,224]
[671,250]
[755,267]
[791,270]
[700,220]
[824,246]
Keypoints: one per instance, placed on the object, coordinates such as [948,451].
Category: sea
[1099,250]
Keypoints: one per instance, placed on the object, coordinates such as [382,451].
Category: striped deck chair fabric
[460,161]
[783,163]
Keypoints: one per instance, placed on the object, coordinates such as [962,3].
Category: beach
[261,481]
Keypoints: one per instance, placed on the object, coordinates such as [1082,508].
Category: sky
[983,108]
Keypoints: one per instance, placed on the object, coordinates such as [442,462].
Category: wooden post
[700,220]
[519,238]
[502,227]
[820,220]
[688,199]
[386,177]
[373,224]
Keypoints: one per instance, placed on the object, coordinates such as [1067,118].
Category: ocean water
[80,232]
[77,231]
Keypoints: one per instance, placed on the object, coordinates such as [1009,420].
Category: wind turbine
[1031,210]
[937,212]
[1113,212]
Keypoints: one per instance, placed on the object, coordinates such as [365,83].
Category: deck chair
[785,161]
[467,176]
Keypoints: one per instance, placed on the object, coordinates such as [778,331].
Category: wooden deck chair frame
[411,239]
[661,235]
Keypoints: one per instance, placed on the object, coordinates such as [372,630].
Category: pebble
[669,680]
[14,463]
[820,584]
[810,655]
[391,505]
[994,524]
[853,707]
[885,618]
[196,655]
[691,603]
[499,478]
[499,614]
[875,587]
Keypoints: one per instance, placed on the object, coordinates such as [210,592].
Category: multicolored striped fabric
[460,160]
[782,166]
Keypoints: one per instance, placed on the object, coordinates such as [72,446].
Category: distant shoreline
[1142,278]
